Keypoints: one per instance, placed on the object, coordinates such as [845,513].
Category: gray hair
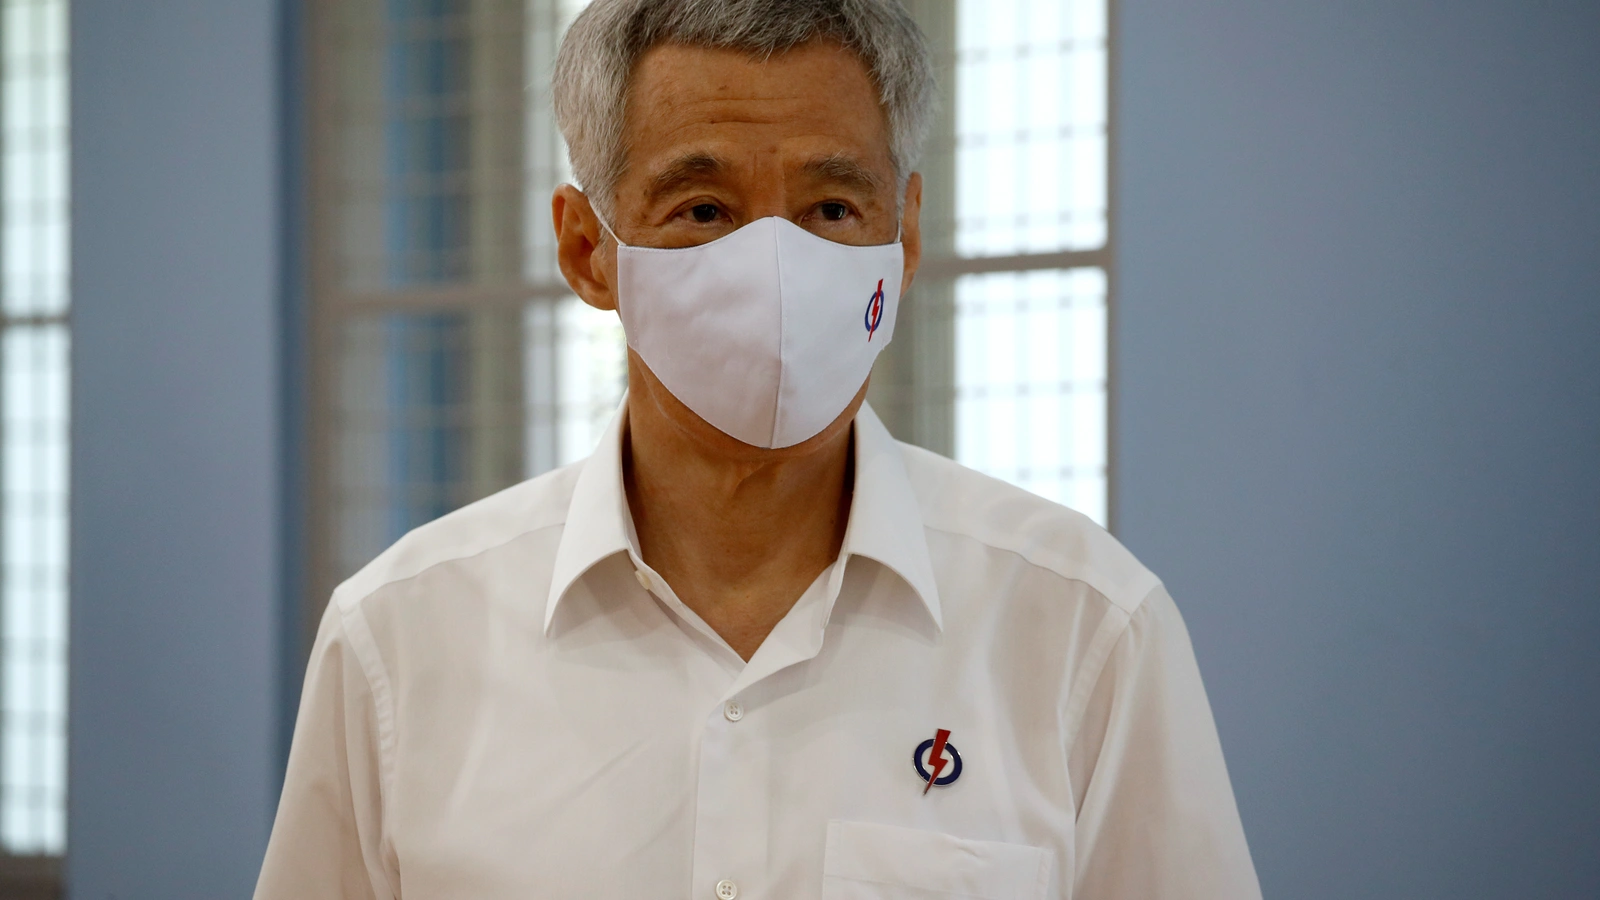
[595,66]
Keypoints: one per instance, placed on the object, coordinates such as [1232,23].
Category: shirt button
[643,579]
[733,711]
[727,890]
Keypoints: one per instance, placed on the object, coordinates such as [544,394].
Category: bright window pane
[1030,126]
[34,346]
[1031,147]
[1031,382]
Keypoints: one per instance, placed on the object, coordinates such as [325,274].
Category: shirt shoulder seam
[358,633]
[354,597]
[1113,629]
[352,625]
[1140,586]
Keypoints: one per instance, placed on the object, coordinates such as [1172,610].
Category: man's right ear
[588,263]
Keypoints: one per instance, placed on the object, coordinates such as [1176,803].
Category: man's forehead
[698,165]
[698,115]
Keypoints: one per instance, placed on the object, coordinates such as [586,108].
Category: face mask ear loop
[606,225]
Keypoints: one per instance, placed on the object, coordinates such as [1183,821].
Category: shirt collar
[885,520]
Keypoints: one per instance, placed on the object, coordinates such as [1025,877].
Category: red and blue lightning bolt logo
[874,310]
[934,748]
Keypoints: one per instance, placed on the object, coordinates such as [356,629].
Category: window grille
[1032,102]
[34,347]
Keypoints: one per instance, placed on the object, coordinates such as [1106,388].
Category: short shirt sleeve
[1156,812]
[327,840]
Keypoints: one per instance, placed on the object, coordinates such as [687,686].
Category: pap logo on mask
[874,315]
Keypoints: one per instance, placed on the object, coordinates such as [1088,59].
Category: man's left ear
[911,229]
[579,247]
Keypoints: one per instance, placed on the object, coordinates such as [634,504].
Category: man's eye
[704,212]
[833,212]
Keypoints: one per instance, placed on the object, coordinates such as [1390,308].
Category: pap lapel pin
[939,754]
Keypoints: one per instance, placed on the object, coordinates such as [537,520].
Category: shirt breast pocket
[864,861]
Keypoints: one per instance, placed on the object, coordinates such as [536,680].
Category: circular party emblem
[874,315]
[937,760]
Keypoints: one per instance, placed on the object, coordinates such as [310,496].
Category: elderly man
[752,647]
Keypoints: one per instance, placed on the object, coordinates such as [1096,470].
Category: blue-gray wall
[1358,352]
[176,456]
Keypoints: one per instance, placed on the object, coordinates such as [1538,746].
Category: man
[752,647]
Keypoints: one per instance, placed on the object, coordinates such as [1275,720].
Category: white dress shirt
[509,703]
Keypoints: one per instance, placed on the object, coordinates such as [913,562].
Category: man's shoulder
[529,506]
[969,505]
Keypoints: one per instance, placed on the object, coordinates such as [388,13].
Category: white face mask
[767,333]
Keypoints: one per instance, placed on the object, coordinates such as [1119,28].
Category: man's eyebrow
[687,169]
[844,170]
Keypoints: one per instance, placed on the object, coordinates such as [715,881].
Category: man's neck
[738,539]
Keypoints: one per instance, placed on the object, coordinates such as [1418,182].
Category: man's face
[716,140]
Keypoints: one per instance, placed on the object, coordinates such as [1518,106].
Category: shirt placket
[732,808]
[735,785]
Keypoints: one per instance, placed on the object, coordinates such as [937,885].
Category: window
[1031,229]
[451,360]
[34,343]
